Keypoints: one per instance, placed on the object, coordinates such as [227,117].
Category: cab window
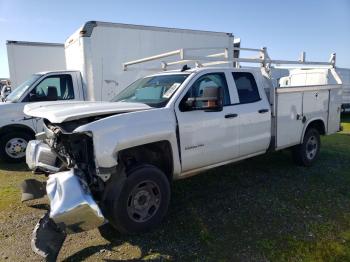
[246,87]
[52,88]
[204,88]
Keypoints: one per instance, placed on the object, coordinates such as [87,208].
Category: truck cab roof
[57,71]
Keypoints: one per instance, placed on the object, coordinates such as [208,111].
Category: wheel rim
[143,201]
[16,147]
[311,147]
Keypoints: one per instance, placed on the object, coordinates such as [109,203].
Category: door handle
[231,115]
[262,111]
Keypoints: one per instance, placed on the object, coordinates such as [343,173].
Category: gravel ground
[263,209]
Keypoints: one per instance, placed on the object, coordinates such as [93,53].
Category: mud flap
[47,238]
[32,189]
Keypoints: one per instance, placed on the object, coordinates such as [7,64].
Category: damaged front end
[72,187]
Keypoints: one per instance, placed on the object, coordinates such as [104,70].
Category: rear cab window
[247,88]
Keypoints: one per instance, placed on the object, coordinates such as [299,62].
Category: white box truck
[26,58]
[94,72]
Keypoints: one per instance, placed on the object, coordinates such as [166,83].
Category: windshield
[154,91]
[17,93]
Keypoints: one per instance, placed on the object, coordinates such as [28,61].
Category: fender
[307,125]
[123,131]
[12,115]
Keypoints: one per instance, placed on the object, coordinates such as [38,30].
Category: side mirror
[210,101]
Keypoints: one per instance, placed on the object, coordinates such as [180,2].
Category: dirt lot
[263,209]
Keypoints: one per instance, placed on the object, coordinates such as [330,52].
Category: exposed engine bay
[73,150]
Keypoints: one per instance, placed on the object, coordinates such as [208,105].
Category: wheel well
[318,125]
[158,154]
[14,128]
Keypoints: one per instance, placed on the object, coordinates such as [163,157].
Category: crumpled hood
[62,111]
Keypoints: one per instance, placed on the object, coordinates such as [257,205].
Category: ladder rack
[225,56]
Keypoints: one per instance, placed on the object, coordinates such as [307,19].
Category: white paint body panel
[297,107]
[26,59]
[302,77]
[12,113]
[289,127]
[61,111]
[118,132]
[344,74]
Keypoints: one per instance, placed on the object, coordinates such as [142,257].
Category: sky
[285,27]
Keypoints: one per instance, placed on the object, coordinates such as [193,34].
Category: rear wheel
[142,202]
[13,146]
[306,153]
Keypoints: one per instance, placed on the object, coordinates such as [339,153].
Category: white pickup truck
[116,160]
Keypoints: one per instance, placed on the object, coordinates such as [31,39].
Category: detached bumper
[72,207]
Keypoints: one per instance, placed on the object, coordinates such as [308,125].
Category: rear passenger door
[254,114]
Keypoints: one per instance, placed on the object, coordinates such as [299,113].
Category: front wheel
[306,153]
[13,146]
[142,202]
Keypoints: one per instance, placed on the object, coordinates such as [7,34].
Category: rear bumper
[72,207]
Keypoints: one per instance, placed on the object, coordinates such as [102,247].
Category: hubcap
[16,147]
[311,147]
[143,201]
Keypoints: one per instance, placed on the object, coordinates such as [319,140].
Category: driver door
[207,137]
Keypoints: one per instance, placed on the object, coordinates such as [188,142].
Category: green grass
[11,176]
[262,209]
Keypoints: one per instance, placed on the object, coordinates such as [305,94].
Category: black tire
[22,137]
[144,192]
[307,153]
